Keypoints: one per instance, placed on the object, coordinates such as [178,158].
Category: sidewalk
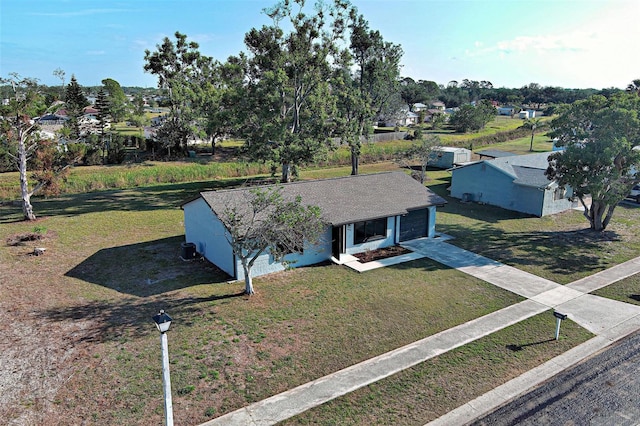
[609,320]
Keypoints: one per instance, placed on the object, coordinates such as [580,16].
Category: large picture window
[370,230]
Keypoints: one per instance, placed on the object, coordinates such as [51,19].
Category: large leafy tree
[367,84]
[288,96]
[220,98]
[599,159]
[472,118]
[116,99]
[266,221]
[178,66]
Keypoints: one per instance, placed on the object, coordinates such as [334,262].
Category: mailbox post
[559,318]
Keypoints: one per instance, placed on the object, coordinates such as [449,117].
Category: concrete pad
[516,281]
[608,276]
[598,314]
[622,330]
[557,296]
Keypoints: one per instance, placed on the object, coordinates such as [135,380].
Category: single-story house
[506,110]
[363,212]
[514,183]
[445,157]
[437,105]
[418,106]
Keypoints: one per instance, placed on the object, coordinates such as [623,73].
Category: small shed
[446,157]
[524,115]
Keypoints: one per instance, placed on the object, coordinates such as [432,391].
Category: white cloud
[86,12]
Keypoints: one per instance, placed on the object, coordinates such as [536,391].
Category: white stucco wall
[265,264]
[205,230]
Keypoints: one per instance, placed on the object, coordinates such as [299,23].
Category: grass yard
[112,262]
[626,290]
[80,346]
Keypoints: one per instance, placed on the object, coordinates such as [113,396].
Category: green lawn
[112,262]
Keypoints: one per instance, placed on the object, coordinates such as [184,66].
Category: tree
[369,91]
[177,66]
[103,107]
[599,159]
[634,87]
[421,151]
[532,124]
[116,99]
[470,117]
[59,72]
[265,221]
[289,101]
[18,129]
[75,102]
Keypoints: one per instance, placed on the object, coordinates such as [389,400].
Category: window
[559,193]
[370,230]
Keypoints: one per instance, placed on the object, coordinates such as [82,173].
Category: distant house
[506,110]
[363,212]
[52,120]
[417,107]
[514,183]
[446,157]
[437,105]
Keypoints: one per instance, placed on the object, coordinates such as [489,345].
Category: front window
[370,230]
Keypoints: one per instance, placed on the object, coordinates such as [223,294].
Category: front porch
[418,248]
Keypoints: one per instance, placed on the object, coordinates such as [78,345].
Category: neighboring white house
[445,157]
[506,110]
[363,212]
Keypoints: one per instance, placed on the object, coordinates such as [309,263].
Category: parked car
[635,193]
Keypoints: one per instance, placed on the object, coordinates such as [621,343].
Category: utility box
[188,251]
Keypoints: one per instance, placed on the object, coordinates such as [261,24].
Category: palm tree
[532,124]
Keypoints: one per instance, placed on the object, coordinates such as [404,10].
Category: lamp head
[163,321]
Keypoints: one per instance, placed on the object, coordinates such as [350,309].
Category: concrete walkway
[609,320]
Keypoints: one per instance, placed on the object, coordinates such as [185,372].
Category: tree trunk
[531,145]
[596,212]
[355,160]
[286,173]
[27,208]
[248,281]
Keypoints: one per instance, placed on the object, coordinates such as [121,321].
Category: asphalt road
[602,390]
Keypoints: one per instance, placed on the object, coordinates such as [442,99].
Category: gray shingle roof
[528,176]
[526,169]
[347,199]
[495,153]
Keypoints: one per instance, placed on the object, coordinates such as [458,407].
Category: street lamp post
[163,322]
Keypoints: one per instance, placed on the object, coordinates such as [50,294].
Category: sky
[511,43]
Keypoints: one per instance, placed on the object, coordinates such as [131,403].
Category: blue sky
[568,43]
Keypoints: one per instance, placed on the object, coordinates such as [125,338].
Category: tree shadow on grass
[132,317]
[146,269]
[144,198]
[558,252]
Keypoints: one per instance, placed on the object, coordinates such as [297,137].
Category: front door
[338,243]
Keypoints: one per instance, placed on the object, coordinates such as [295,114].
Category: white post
[166,380]
[558,321]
